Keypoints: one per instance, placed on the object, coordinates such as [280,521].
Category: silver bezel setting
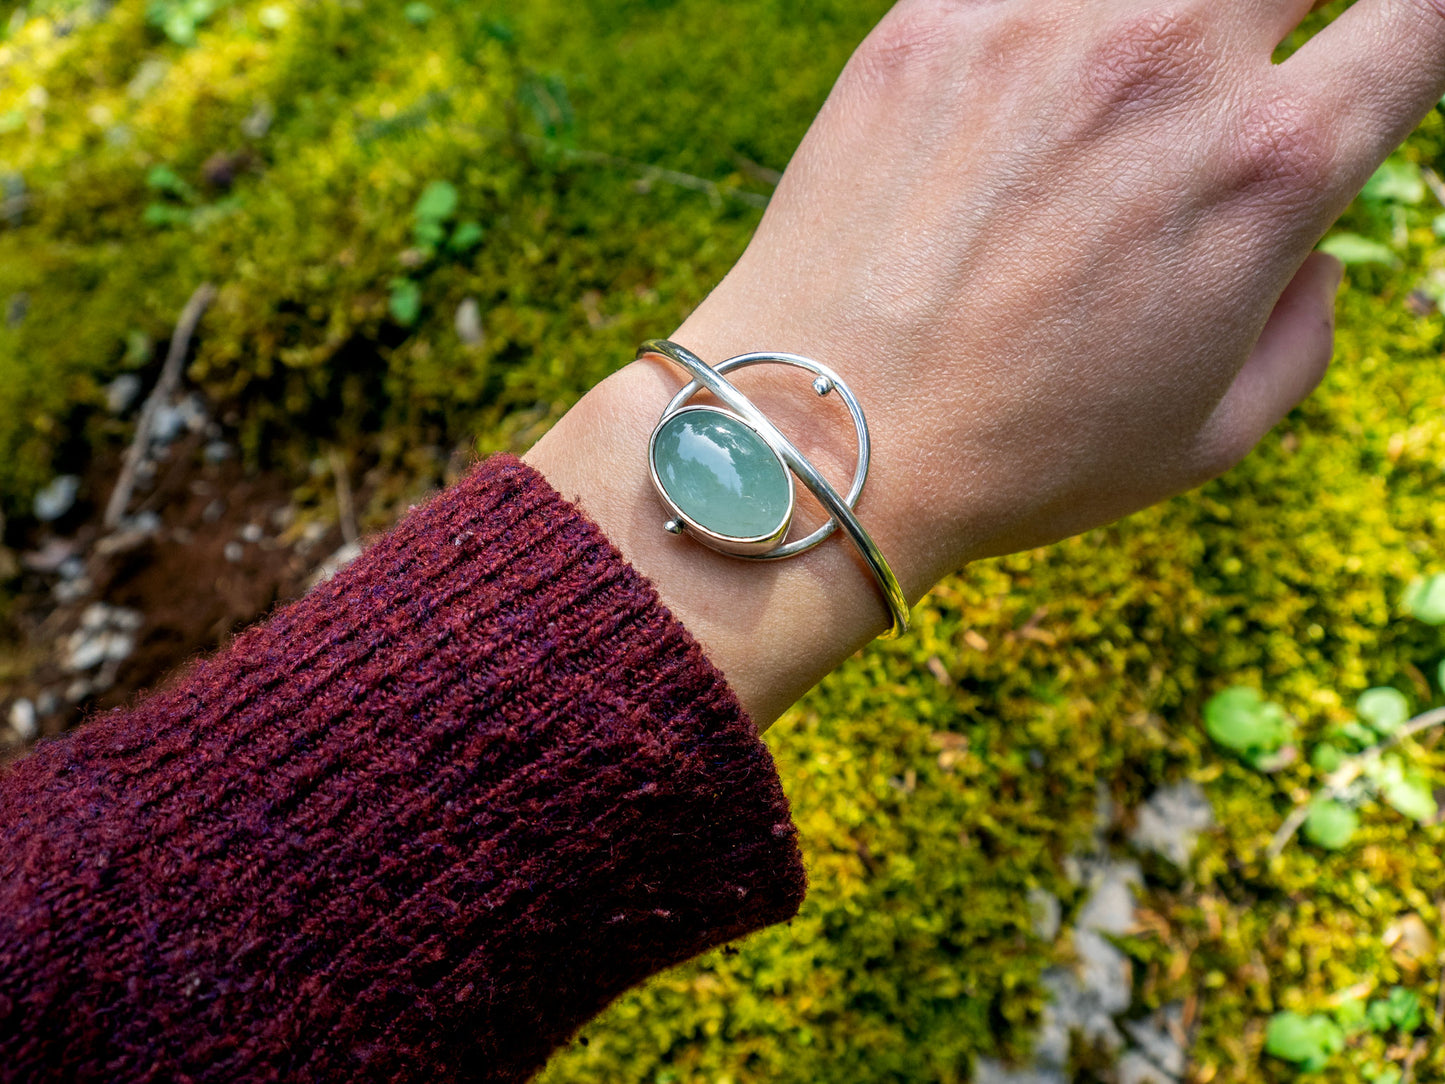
[840,509]
[736,546]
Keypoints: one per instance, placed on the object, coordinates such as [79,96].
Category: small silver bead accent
[673,526]
[822,385]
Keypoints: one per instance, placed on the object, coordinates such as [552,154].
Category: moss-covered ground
[608,158]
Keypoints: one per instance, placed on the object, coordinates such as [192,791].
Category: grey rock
[148,76]
[218,451]
[72,568]
[234,551]
[989,1071]
[258,121]
[167,424]
[186,415]
[146,522]
[1169,823]
[57,498]
[78,690]
[468,323]
[50,557]
[1135,1068]
[1156,1037]
[1110,906]
[22,719]
[1046,913]
[118,646]
[252,533]
[122,392]
[47,704]
[95,617]
[335,563]
[1105,972]
[85,650]
[1073,1007]
[68,591]
[213,511]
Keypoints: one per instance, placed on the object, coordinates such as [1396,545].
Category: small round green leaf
[1384,708]
[1239,718]
[1330,825]
[405,301]
[1306,1041]
[1413,796]
[1326,758]
[1351,248]
[1425,598]
[438,202]
[1396,181]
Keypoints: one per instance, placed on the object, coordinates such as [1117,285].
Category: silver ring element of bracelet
[724,438]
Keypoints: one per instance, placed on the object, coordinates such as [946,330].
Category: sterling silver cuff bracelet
[727,475]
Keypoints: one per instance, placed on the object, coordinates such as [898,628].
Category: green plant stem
[1348,771]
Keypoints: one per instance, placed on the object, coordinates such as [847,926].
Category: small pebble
[234,552]
[57,498]
[87,651]
[22,720]
[118,646]
[68,591]
[214,511]
[146,522]
[252,533]
[121,393]
[468,323]
[217,451]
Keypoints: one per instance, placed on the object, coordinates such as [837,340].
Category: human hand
[1060,250]
[1061,253]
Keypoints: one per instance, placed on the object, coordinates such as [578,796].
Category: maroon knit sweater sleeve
[418,826]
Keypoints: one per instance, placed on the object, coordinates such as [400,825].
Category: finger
[1375,71]
[1282,17]
[1287,364]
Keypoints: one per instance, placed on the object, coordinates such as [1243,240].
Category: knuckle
[1432,9]
[910,37]
[1146,59]
[1281,151]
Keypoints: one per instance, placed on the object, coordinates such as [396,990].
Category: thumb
[1288,362]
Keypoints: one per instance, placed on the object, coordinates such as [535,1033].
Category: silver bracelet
[727,475]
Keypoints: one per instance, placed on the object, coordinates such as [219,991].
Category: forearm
[420,825]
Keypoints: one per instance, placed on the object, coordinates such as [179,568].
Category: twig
[1348,771]
[712,189]
[1435,184]
[1416,1053]
[345,507]
[165,385]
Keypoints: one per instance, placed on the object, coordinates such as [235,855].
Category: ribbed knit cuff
[419,825]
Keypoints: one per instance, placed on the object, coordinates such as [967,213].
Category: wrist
[773,628]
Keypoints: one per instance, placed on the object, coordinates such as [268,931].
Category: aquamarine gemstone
[721,474]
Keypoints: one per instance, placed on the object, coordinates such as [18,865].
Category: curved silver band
[839,508]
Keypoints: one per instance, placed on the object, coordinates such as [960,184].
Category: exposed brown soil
[226,552]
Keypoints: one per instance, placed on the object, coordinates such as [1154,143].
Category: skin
[1061,251]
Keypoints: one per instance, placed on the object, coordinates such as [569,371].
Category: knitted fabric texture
[418,826]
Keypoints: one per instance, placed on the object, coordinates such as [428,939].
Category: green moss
[937,779]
